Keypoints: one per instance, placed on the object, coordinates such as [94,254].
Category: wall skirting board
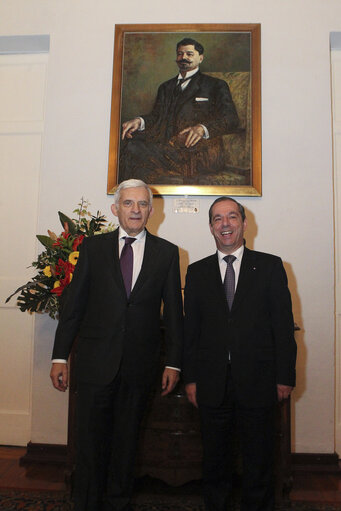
[58,454]
[45,453]
[315,461]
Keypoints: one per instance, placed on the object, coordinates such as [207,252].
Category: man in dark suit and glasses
[113,307]
[239,357]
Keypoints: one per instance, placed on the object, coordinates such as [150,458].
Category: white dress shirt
[236,264]
[138,251]
[189,75]
[238,254]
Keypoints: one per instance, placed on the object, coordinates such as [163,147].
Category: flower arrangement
[56,264]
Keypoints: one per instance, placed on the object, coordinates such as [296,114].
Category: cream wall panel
[15,356]
[22,86]
[19,170]
[336,104]
[15,428]
[336,89]
[15,377]
[337,194]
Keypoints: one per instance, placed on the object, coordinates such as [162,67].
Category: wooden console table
[170,442]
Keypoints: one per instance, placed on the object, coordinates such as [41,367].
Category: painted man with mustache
[191,112]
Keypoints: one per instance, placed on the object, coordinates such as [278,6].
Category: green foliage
[71,226]
[45,240]
[55,265]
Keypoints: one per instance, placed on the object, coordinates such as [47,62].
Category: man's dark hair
[221,199]
[187,40]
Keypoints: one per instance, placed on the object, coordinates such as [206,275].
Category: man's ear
[201,58]
[114,209]
[151,212]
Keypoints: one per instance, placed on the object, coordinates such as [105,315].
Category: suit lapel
[247,273]
[169,95]
[214,277]
[112,259]
[190,91]
[111,256]
[150,253]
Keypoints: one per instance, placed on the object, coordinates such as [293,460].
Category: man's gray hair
[132,183]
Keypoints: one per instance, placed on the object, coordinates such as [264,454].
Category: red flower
[64,268]
[64,235]
[77,242]
[56,243]
[58,290]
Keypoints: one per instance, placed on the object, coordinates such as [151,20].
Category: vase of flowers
[56,264]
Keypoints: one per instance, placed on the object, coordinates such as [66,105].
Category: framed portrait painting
[186,109]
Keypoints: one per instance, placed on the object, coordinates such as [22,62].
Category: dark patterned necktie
[229,280]
[178,87]
[126,263]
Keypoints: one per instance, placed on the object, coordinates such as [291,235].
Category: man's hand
[59,376]
[283,391]
[194,135]
[170,378]
[191,391]
[129,127]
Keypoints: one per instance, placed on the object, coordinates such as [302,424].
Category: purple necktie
[126,263]
[229,280]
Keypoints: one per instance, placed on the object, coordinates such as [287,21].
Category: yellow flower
[73,258]
[56,284]
[47,271]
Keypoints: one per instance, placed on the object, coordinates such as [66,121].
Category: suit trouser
[256,432]
[108,420]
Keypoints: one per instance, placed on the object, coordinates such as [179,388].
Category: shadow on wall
[153,225]
[250,236]
[302,354]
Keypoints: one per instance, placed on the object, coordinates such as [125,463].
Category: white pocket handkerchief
[201,99]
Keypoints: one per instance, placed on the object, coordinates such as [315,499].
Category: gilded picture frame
[228,160]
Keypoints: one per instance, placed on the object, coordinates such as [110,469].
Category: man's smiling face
[227,226]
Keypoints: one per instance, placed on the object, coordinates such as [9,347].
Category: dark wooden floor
[316,484]
[36,477]
[312,485]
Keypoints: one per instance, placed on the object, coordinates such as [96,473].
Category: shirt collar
[237,253]
[122,234]
[189,74]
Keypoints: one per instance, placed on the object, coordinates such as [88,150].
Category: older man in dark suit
[239,357]
[113,306]
[191,112]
